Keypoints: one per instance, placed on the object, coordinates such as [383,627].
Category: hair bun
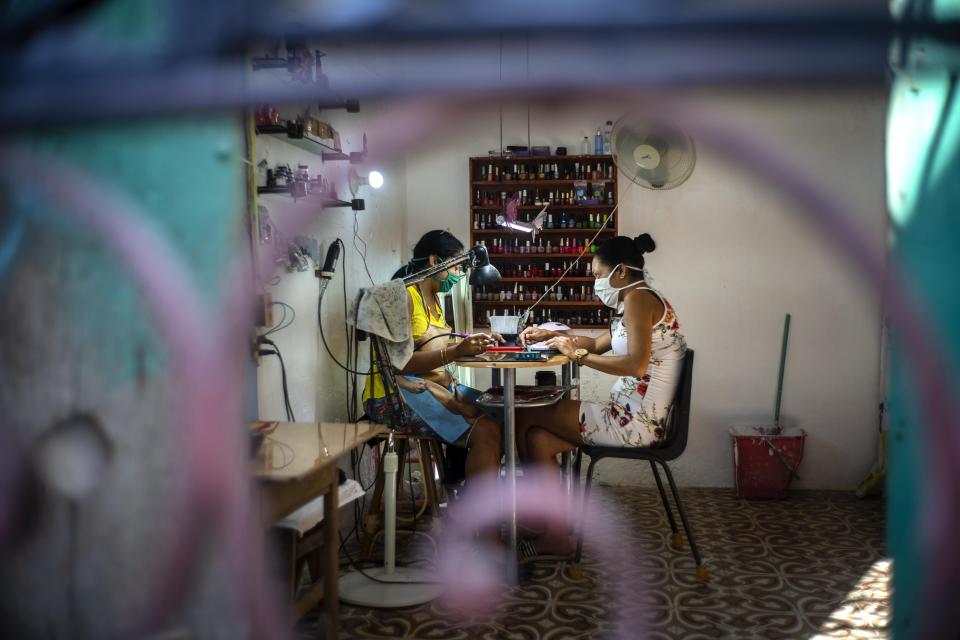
[644,243]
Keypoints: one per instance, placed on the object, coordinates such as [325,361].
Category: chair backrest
[680,412]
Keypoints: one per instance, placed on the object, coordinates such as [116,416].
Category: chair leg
[577,569]
[404,447]
[437,450]
[702,575]
[376,503]
[577,459]
[676,540]
[429,484]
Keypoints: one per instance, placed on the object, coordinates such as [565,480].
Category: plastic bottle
[585,146]
[607,134]
[598,143]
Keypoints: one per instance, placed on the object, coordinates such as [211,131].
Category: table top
[291,450]
[554,361]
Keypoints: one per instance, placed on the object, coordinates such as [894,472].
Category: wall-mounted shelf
[581,327]
[539,256]
[324,201]
[550,207]
[531,159]
[534,183]
[567,279]
[307,142]
[596,304]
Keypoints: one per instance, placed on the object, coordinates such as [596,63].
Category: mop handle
[783,361]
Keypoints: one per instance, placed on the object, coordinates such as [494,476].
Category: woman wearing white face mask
[647,348]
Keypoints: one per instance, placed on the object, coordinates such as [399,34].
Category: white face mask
[608,295]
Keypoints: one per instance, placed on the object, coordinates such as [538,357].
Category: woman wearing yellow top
[438,405]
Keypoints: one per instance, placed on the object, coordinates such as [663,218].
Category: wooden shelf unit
[545,232]
[486,197]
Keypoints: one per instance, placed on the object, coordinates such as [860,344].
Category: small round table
[509,368]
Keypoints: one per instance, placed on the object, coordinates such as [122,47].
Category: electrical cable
[280,326]
[357,238]
[288,452]
[356,567]
[326,346]
[441,335]
[283,318]
[323,337]
[275,351]
[346,333]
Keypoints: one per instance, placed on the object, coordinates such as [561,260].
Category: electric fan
[653,153]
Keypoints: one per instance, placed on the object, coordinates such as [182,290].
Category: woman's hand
[497,337]
[563,344]
[414,386]
[473,345]
[535,334]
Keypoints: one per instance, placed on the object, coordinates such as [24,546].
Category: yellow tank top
[420,322]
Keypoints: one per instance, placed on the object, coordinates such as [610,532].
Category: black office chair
[670,450]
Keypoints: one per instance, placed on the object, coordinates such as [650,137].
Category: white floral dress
[636,414]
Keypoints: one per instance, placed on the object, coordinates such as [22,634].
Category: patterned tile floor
[811,566]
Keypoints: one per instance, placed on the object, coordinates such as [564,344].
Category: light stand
[390,586]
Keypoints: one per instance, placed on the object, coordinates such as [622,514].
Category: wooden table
[509,369]
[296,463]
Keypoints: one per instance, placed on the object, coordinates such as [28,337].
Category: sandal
[527,553]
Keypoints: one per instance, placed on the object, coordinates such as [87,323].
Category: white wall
[733,257]
[317,385]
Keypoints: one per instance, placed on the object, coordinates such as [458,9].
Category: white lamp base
[406,588]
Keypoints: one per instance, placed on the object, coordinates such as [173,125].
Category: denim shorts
[378,410]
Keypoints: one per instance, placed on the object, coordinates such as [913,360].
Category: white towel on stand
[383,310]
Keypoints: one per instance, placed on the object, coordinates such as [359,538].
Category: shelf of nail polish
[580,195]
[584,195]
[541,280]
[544,303]
[559,170]
[538,207]
[562,222]
[561,294]
[581,318]
[551,232]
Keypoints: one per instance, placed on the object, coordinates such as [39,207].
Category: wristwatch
[579,355]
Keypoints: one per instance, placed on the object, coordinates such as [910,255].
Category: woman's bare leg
[485,448]
[562,419]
